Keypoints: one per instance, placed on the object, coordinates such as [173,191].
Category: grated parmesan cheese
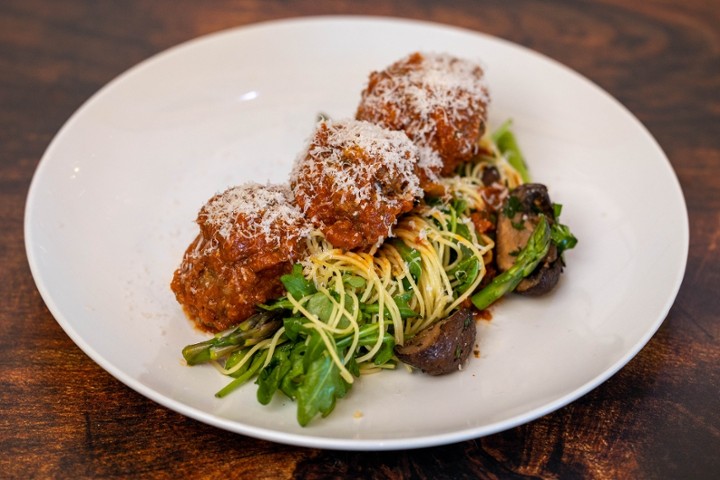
[354,179]
[357,157]
[417,92]
[251,210]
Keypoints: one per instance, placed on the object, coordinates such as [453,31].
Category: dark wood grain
[63,416]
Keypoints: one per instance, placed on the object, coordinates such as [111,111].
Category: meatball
[353,181]
[250,235]
[438,100]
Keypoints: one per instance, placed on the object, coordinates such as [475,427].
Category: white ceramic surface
[112,204]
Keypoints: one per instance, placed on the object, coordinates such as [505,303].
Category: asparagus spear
[256,328]
[508,146]
[529,258]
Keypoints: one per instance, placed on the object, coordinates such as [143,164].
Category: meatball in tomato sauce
[353,181]
[438,100]
[250,235]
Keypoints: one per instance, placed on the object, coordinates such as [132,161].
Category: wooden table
[659,417]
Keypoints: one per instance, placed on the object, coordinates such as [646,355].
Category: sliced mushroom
[517,219]
[443,347]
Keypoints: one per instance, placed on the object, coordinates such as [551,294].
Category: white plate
[112,204]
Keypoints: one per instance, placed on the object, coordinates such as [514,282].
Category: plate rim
[310,440]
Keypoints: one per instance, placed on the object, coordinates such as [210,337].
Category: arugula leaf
[411,257]
[294,326]
[368,336]
[268,380]
[354,281]
[321,387]
[304,372]
[296,284]
[400,300]
[321,306]
[453,221]
[290,382]
[386,352]
[562,237]
[281,303]
[353,367]
[465,273]
[560,234]
[459,205]
[434,201]
[463,230]
[315,348]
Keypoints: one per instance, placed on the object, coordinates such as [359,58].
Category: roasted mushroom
[443,347]
[517,219]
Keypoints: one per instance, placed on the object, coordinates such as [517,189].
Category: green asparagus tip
[528,259]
